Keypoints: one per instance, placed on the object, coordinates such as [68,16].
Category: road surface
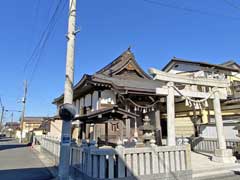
[18,161]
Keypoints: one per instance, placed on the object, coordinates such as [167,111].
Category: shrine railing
[90,162]
[209,145]
[154,162]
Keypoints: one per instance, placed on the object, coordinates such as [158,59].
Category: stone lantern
[147,129]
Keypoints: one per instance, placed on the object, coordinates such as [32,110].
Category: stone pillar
[158,126]
[128,128]
[171,134]
[222,154]
[135,128]
[219,121]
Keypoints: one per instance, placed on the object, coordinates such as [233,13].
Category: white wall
[108,97]
[77,106]
[95,100]
[18,134]
[88,100]
[55,128]
[211,132]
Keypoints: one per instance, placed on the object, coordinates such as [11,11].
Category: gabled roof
[173,61]
[231,64]
[122,72]
[125,61]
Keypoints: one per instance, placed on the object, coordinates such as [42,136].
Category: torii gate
[218,92]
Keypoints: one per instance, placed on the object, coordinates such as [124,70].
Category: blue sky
[197,30]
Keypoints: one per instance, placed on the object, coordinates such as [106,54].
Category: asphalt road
[18,161]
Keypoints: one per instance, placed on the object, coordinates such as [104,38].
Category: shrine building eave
[118,84]
[105,114]
[126,85]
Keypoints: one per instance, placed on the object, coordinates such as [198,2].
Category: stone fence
[209,145]
[49,144]
[155,162]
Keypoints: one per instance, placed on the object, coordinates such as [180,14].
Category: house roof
[34,119]
[12,124]
[232,101]
[123,73]
[231,63]
[173,61]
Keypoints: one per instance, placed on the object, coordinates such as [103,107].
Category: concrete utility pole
[2,113]
[63,169]
[1,122]
[11,132]
[23,109]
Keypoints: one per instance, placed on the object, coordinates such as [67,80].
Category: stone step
[216,172]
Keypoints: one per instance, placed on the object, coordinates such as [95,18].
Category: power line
[232,4]
[1,102]
[43,35]
[190,10]
[38,50]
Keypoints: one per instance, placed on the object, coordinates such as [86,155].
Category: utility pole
[63,169]
[23,109]
[1,122]
[2,114]
[11,132]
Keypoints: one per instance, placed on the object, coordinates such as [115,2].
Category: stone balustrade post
[92,146]
[120,162]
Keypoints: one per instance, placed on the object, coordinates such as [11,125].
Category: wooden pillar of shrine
[106,132]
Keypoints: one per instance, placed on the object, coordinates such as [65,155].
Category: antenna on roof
[129,48]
